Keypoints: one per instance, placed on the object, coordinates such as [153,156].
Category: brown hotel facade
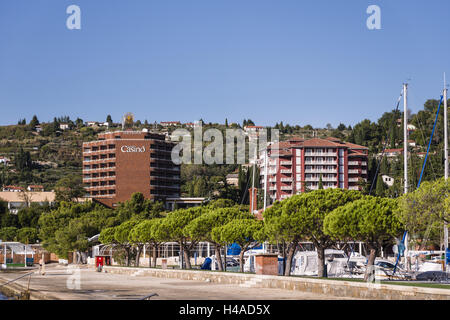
[123,162]
[298,164]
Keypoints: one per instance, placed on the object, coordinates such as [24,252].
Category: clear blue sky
[300,62]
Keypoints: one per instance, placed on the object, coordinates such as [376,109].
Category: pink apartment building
[297,165]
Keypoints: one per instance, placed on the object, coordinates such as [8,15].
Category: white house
[64,126]
[388,180]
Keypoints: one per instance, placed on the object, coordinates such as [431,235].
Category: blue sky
[300,62]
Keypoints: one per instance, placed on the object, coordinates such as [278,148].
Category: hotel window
[298,186]
[297,152]
[298,168]
[299,177]
[299,160]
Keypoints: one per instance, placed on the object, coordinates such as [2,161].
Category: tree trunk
[187,258]
[150,257]
[138,255]
[155,255]
[370,270]
[321,267]
[219,258]
[291,252]
[241,258]
[127,257]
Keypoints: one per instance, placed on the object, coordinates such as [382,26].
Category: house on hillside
[19,200]
[4,161]
[35,188]
[12,189]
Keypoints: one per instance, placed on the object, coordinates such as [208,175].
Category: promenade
[67,283]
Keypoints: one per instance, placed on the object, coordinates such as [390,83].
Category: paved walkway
[67,283]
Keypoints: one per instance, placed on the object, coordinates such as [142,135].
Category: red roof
[393,150]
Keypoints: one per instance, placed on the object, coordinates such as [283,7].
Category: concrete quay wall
[338,288]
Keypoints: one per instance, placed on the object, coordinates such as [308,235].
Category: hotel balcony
[286,188]
[98,151]
[97,179]
[104,187]
[286,179]
[353,179]
[354,171]
[286,171]
[321,162]
[94,170]
[320,154]
[165,177]
[321,171]
[324,179]
[96,161]
[286,163]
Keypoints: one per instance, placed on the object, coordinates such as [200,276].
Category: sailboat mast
[405,156]
[266,163]
[253,181]
[445,131]
[446,159]
[405,136]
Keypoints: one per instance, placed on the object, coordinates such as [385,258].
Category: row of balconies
[104,160]
[323,179]
[99,169]
[165,177]
[353,171]
[103,187]
[321,162]
[357,163]
[321,171]
[93,179]
[91,152]
[173,186]
[320,154]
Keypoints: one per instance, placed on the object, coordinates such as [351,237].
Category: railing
[321,171]
[166,177]
[287,163]
[112,186]
[99,160]
[320,162]
[353,171]
[320,154]
[286,171]
[99,178]
[286,179]
[101,169]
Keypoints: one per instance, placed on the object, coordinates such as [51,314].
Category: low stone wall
[337,288]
